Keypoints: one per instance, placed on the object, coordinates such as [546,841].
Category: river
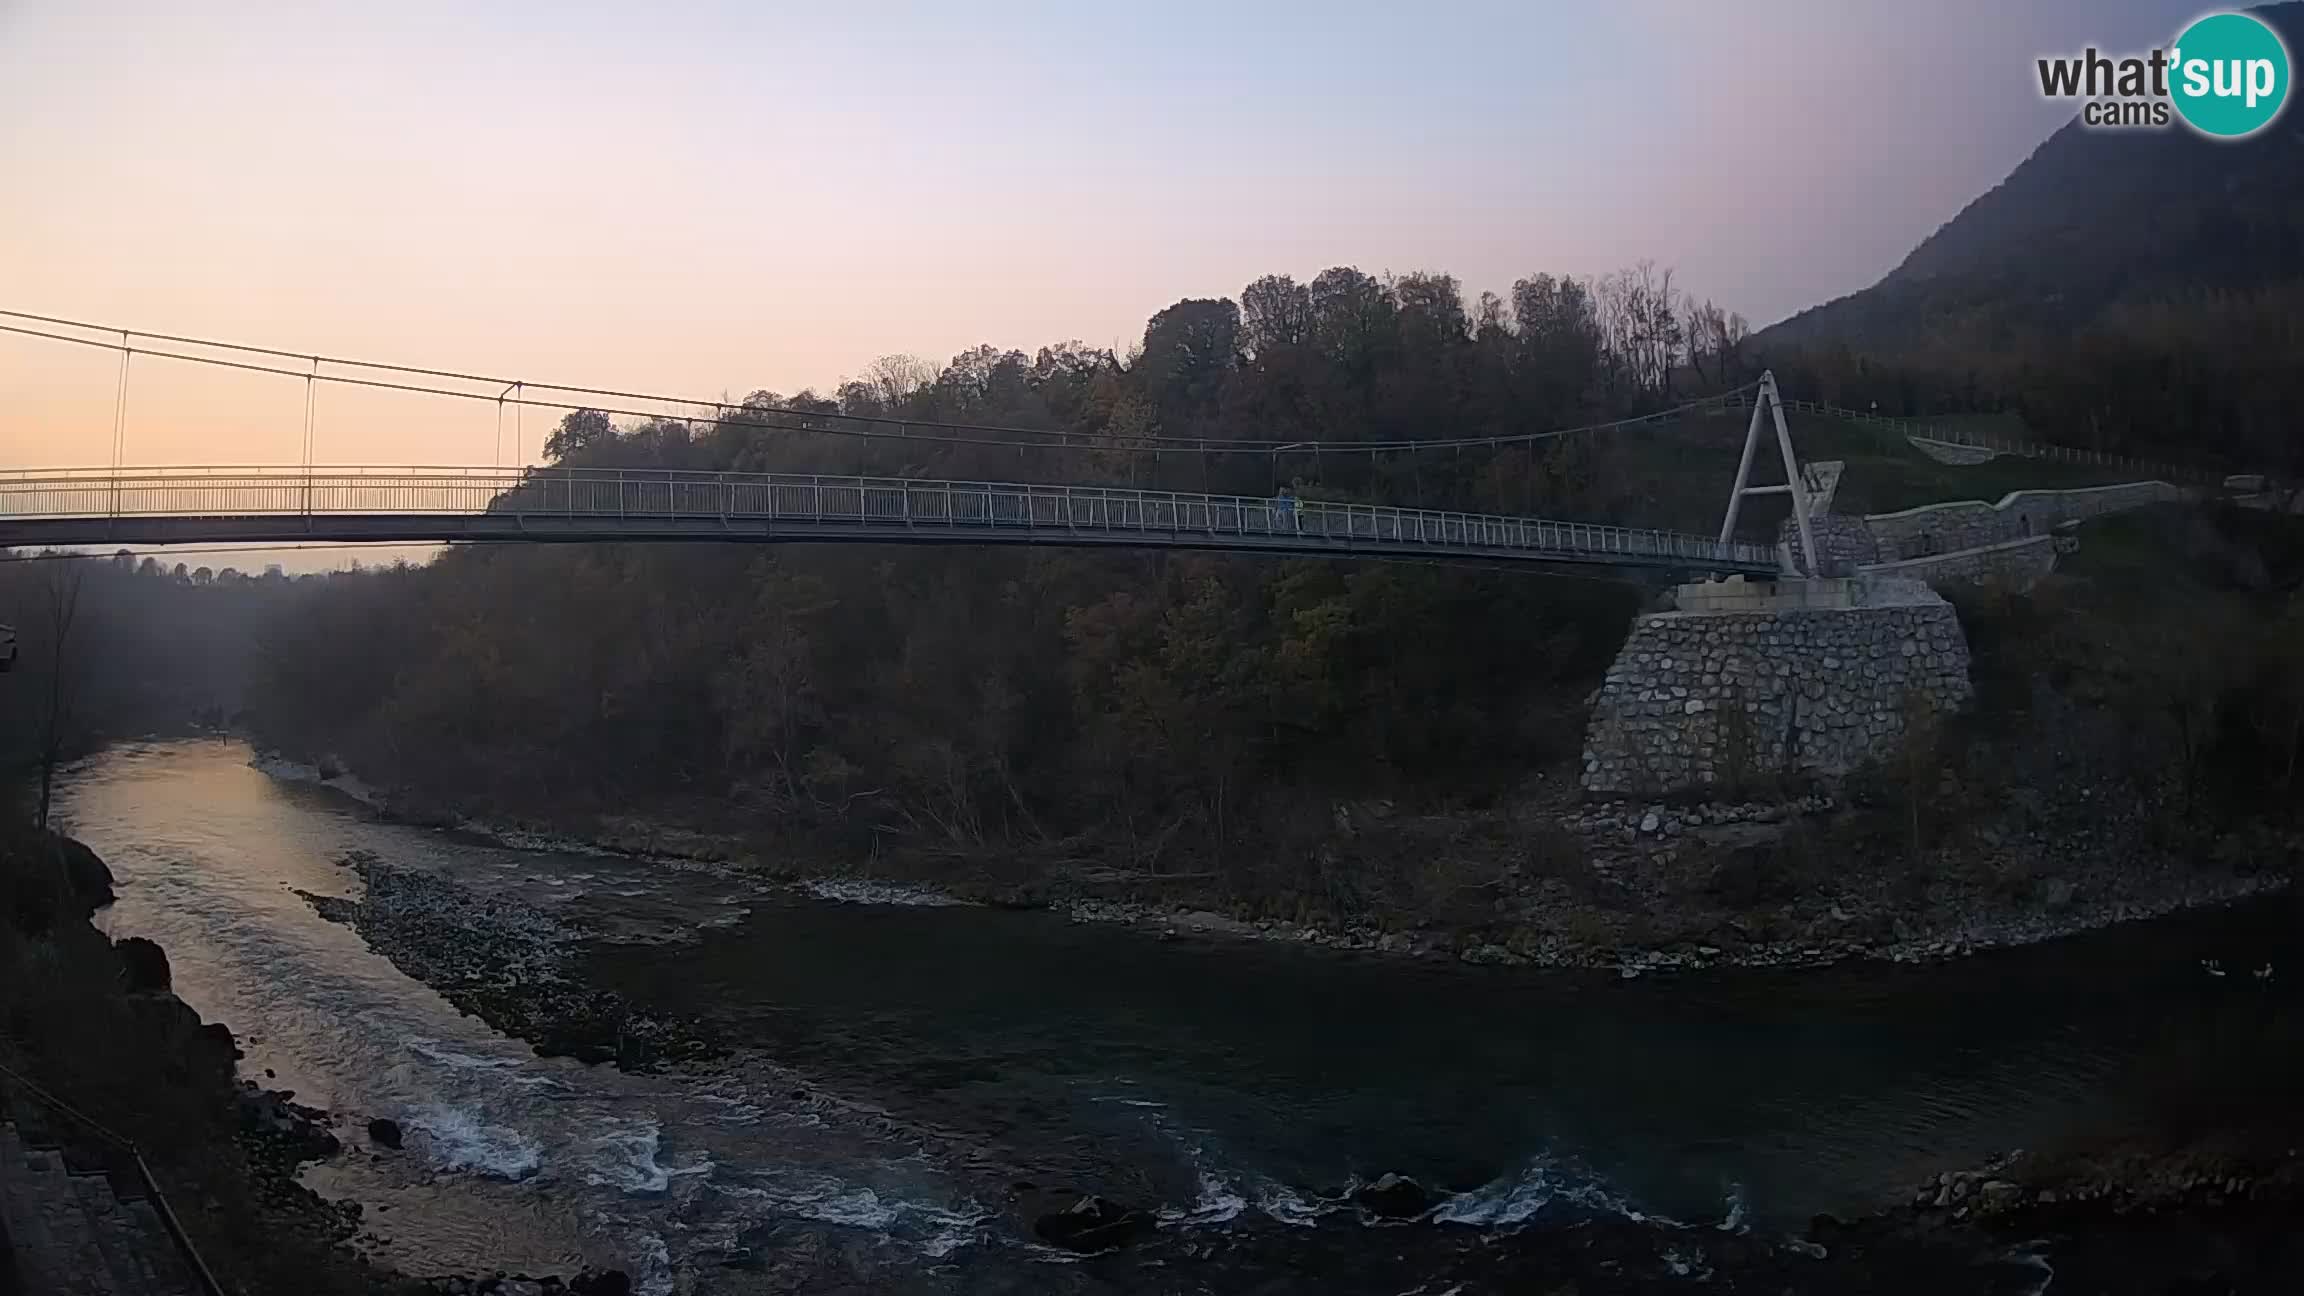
[901,1067]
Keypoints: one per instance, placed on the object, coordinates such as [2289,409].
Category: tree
[60,609]
[1189,349]
[1431,311]
[579,431]
[1705,326]
[1561,350]
[765,694]
[2181,671]
[1275,315]
[893,380]
[2282,722]
[1352,321]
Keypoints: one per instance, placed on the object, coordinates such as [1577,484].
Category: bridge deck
[183,505]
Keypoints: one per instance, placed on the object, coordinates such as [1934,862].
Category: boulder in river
[1998,1196]
[384,1133]
[1090,1224]
[1394,1197]
[604,1282]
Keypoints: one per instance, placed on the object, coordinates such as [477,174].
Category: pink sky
[714,198]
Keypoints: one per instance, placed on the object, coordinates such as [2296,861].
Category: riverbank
[99,1023]
[98,1020]
[1549,880]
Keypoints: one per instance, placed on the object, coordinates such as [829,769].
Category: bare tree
[1735,331]
[2282,722]
[894,378]
[60,608]
[1706,327]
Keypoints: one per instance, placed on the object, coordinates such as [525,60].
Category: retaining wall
[1966,524]
[2011,564]
[1696,699]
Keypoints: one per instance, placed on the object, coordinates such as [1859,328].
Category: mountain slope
[2092,220]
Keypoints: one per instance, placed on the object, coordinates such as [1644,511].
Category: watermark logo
[2226,77]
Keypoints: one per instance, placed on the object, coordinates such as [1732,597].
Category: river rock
[143,966]
[605,1282]
[1090,1224]
[1395,1197]
[384,1133]
[90,878]
[298,1133]
[1999,1195]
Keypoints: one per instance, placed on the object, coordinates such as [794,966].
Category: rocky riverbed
[505,962]
[1635,887]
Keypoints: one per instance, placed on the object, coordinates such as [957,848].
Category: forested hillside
[955,697]
[1204,713]
[144,648]
[2136,291]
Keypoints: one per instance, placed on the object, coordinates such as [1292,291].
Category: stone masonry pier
[1746,680]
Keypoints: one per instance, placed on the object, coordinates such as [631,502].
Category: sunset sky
[720,197]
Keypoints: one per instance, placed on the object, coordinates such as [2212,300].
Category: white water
[623,1157]
[458,1139]
[509,1160]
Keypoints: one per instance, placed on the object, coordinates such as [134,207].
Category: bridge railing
[867,503]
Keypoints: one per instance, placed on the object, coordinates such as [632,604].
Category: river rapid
[901,1071]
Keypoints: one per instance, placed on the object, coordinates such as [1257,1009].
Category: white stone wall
[1964,524]
[1700,699]
[1844,542]
[2012,564]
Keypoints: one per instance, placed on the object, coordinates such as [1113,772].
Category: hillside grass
[1677,476]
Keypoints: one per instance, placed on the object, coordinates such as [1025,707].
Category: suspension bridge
[278,504]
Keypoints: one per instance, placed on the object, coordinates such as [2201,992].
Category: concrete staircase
[68,1232]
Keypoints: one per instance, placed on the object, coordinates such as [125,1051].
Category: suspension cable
[778,418]
[120,422]
[120,405]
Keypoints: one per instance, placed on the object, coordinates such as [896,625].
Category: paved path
[64,1233]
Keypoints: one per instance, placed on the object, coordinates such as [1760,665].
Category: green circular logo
[2228,74]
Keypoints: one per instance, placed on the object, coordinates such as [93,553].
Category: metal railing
[133,1162]
[748,504]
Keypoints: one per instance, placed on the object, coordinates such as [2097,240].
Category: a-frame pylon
[1764,403]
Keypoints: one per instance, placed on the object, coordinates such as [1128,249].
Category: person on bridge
[1284,510]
